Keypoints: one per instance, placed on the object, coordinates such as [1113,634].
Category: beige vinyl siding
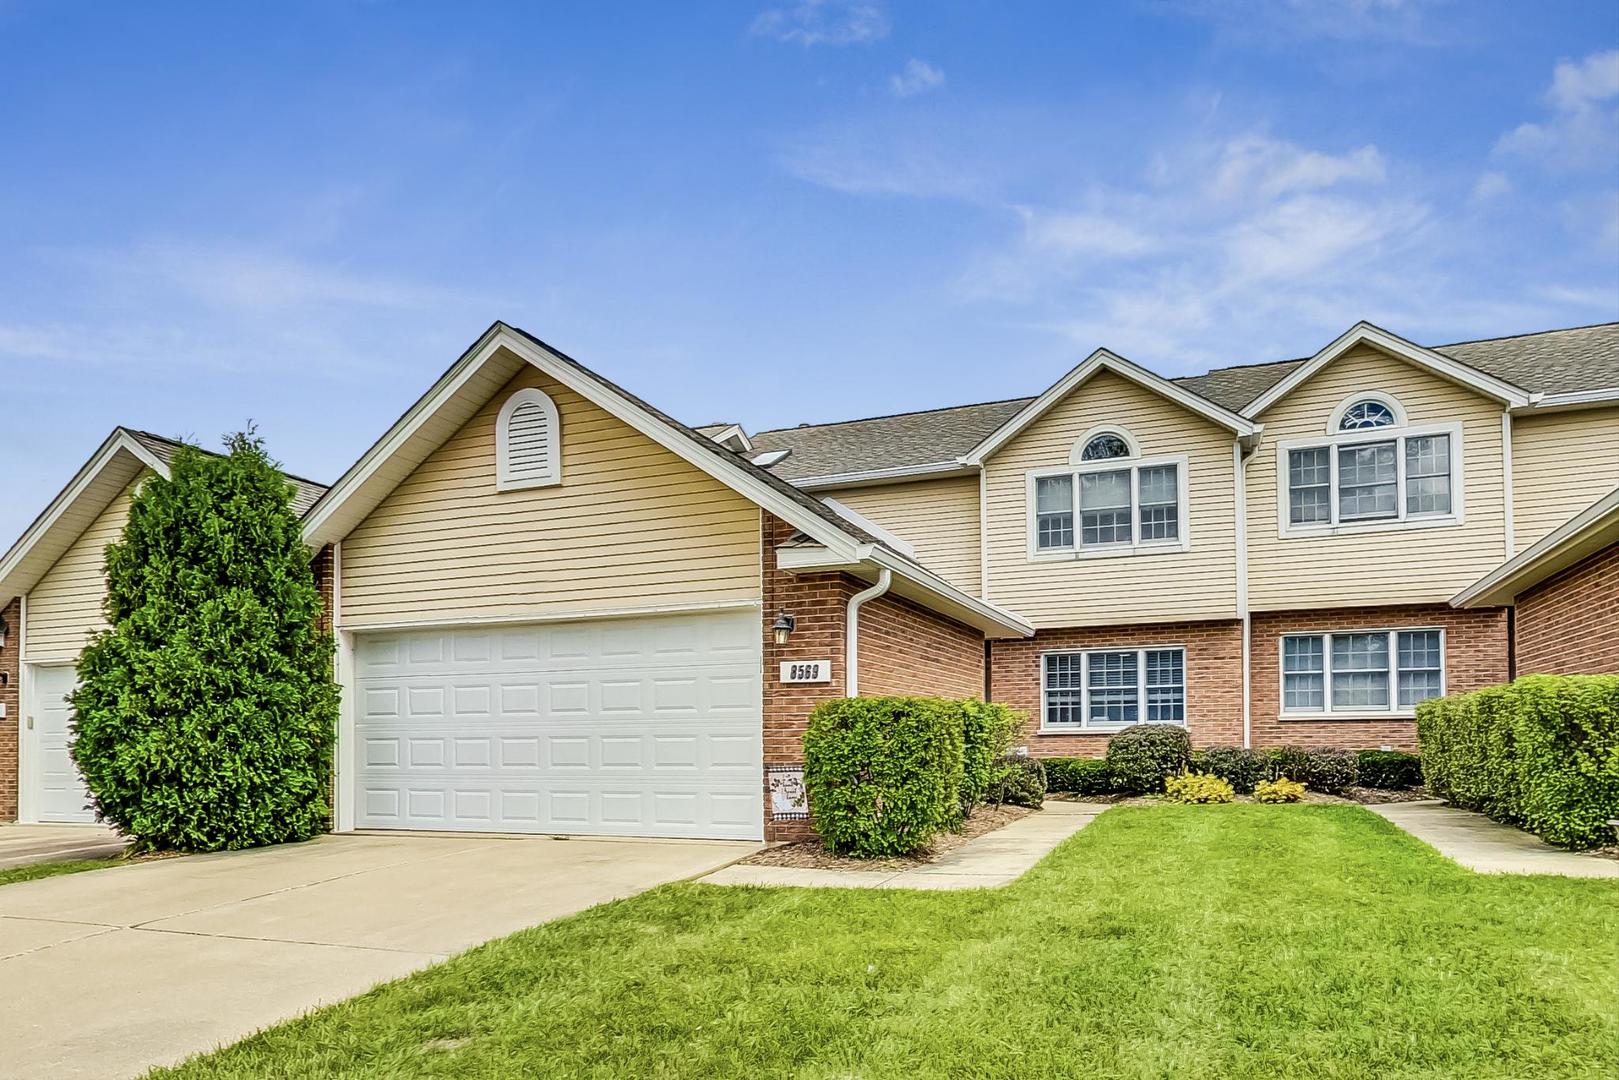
[938,517]
[1561,463]
[1198,583]
[66,605]
[1406,565]
[631,526]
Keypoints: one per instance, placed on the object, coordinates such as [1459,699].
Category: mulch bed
[809,854]
[1371,795]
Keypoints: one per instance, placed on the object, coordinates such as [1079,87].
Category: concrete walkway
[110,972]
[24,845]
[992,859]
[1489,846]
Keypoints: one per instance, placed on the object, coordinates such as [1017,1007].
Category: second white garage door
[629,727]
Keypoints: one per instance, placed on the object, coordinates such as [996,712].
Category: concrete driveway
[21,845]
[109,972]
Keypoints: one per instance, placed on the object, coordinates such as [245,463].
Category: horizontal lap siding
[1417,565]
[938,517]
[1198,583]
[67,604]
[631,525]
[1561,463]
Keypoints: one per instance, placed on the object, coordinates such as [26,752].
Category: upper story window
[1366,414]
[528,441]
[1110,500]
[1105,446]
[1371,470]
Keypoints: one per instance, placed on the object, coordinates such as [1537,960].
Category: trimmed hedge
[1326,770]
[1390,770]
[1240,768]
[1142,757]
[1020,781]
[884,774]
[1079,776]
[1541,753]
[988,730]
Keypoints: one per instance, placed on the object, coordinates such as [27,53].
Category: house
[560,610]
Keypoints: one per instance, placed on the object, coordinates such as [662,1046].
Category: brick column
[10,697]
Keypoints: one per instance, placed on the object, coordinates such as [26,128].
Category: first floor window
[1375,671]
[1113,688]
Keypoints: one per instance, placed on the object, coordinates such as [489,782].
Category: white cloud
[1582,131]
[1287,21]
[1080,234]
[1491,185]
[1270,167]
[918,77]
[823,22]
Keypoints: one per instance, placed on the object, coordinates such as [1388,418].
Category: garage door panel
[634,727]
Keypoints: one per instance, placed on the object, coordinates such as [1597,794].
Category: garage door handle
[30,723]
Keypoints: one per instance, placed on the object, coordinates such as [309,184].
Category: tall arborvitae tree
[206,713]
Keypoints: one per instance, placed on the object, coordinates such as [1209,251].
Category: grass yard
[35,871]
[1221,941]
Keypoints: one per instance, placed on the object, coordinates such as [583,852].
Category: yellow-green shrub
[1194,787]
[1279,790]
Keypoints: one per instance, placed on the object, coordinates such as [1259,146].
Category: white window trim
[1457,516]
[1378,396]
[553,474]
[1327,712]
[1085,726]
[1084,440]
[1137,546]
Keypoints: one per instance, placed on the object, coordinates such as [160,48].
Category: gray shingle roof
[1552,362]
[304,492]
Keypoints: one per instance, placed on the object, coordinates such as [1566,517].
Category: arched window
[1103,447]
[1367,413]
[528,441]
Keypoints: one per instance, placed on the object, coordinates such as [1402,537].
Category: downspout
[1239,466]
[851,631]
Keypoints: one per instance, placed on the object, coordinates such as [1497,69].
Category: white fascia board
[119,442]
[877,476]
[1572,399]
[1590,530]
[500,336]
[913,581]
[1364,333]
[1102,359]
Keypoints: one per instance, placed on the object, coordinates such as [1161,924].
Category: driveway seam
[105,929]
[284,941]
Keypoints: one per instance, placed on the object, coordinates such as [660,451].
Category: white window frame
[1086,725]
[1402,520]
[1394,712]
[1136,546]
[553,473]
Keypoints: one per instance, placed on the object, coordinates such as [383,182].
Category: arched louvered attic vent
[528,442]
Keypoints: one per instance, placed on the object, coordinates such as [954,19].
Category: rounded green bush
[1390,770]
[206,712]
[988,730]
[1140,758]
[1326,770]
[1019,781]
[1079,776]
[1240,768]
[884,774]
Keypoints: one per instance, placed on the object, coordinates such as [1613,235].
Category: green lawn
[1293,941]
[35,871]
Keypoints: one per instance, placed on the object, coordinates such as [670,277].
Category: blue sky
[774,212]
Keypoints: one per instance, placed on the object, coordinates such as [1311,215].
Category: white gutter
[851,631]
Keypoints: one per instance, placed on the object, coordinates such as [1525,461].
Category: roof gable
[1364,333]
[120,460]
[1099,361]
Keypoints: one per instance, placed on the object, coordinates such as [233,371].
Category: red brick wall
[1475,656]
[11,675]
[1569,624]
[1213,679]
[906,649]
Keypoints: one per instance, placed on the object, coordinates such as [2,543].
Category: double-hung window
[1362,672]
[1369,473]
[1106,689]
[1108,506]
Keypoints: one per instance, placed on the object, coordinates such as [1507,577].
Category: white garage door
[626,727]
